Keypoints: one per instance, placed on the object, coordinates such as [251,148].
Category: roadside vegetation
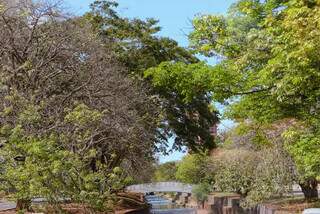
[268,78]
[79,120]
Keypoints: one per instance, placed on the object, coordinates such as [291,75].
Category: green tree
[72,124]
[256,175]
[186,101]
[269,64]
[201,192]
[185,114]
[193,169]
[305,150]
[165,172]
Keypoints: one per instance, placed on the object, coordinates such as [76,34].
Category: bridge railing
[161,187]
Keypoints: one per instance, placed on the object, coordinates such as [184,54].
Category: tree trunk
[310,189]
[202,204]
[23,204]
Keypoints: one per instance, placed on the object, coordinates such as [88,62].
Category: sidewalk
[202,211]
[4,205]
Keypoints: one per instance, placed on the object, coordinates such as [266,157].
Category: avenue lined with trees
[88,102]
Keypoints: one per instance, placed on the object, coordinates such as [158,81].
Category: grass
[292,205]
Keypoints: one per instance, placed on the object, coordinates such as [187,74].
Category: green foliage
[29,115]
[2,7]
[305,150]
[255,175]
[165,172]
[193,169]
[186,101]
[135,40]
[268,49]
[188,81]
[201,191]
[210,29]
[269,67]
[180,93]
[250,135]
[82,115]
[41,167]
[235,172]
[73,125]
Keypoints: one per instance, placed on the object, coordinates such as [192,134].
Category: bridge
[161,187]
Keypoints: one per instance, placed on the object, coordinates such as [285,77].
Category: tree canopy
[87,101]
[186,111]
[165,172]
[269,67]
[193,169]
[73,124]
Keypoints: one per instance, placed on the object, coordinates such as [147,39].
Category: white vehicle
[312,211]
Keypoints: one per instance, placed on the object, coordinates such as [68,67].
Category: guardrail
[161,187]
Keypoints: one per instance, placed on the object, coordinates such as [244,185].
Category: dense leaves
[304,147]
[270,49]
[186,112]
[70,118]
[269,68]
[257,176]
[186,102]
[165,172]
[193,169]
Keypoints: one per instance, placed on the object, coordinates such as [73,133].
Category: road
[174,211]
[161,206]
[7,206]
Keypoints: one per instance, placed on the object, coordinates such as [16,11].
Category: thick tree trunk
[310,189]
[23,204]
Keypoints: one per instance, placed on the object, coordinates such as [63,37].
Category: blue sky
[174,16]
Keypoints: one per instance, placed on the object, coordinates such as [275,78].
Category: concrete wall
[136,211]
[230,205]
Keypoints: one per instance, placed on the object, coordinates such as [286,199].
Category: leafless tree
[53,63]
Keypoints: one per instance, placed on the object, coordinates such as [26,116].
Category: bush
[255,175]
[194,169]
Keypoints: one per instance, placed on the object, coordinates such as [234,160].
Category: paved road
[164,206]
[7,206]
[174,211]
